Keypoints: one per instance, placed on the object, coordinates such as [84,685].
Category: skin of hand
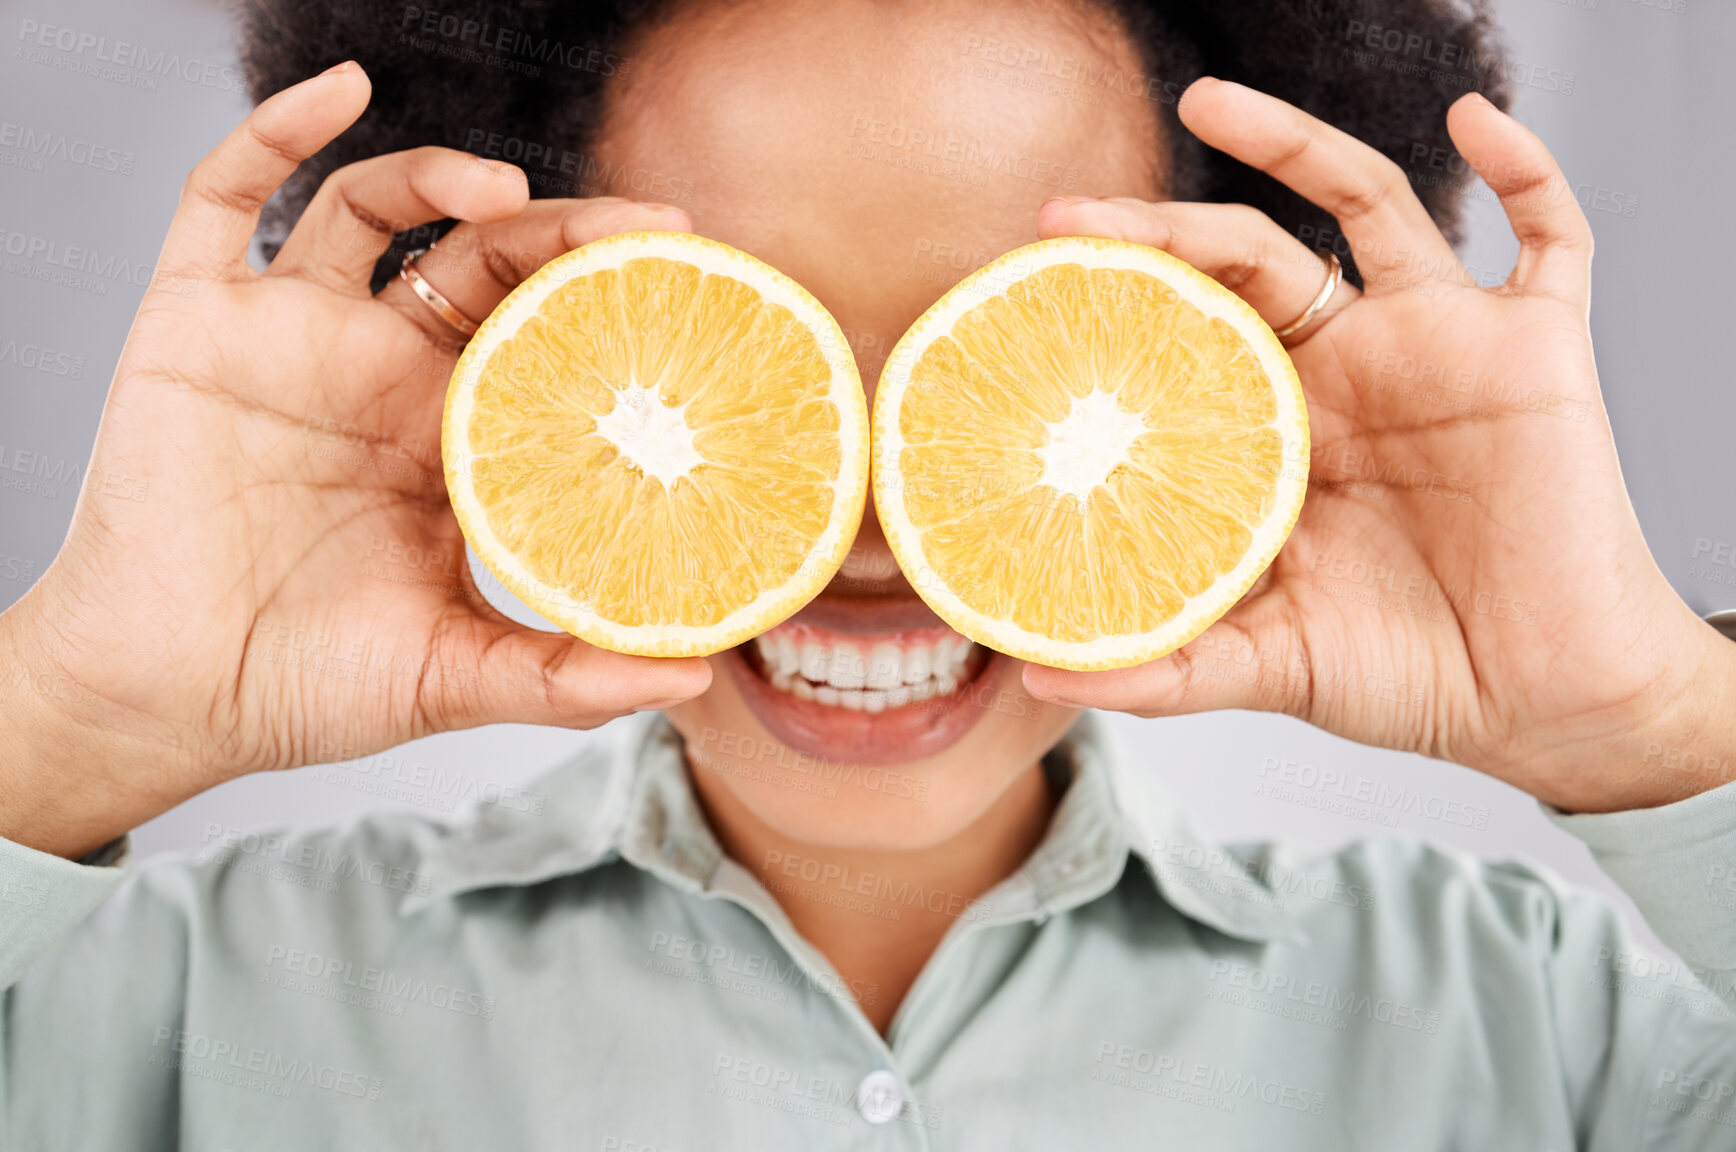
[254,611]
[1468,579]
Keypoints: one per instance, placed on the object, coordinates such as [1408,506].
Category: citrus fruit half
[1086,452]
[659,443]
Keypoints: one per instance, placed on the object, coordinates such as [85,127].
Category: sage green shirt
[580,967]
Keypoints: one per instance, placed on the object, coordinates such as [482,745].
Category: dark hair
[525,80]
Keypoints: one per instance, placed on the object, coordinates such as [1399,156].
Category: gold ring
[1334,273]
[430,295]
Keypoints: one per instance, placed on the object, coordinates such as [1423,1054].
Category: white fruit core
[1088,444]
[652,435]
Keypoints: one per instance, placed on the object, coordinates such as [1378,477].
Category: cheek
[717,720]
[1016,728]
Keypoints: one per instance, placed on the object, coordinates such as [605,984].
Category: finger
[1395,242]
[351,220]
[221,199]
[1555,240]
[476,265]
[1229,665]
[493,671]
[1240,247]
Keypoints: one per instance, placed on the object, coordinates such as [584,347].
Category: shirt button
[878,1097]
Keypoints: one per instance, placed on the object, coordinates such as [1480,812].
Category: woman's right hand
[263,570]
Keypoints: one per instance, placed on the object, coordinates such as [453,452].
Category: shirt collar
[630,798]
[581,814]
[1198,876]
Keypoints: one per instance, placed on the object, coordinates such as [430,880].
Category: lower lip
[914,732]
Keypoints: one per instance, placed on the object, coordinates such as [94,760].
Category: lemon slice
[1086,452]
[659,443]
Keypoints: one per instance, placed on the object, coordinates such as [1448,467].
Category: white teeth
[888,674]
[816,662]
[883,667]
[849,670]
[949,657]
[768,652]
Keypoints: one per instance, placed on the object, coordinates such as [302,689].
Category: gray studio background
[1644,134]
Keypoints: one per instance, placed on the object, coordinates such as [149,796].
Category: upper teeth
[869,676]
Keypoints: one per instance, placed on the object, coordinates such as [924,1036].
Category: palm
[291,585]
[1467,578]
[1461,467]
[291,490]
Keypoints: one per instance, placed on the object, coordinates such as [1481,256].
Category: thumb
[1229,665]
[499,672]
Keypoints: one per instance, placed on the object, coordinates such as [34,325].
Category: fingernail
[344,67]
[498,167]
[660,705]
[1047,697]
[1070,202]
[655,207]
[1062,701]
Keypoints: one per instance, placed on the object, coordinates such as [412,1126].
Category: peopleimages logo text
[125,54]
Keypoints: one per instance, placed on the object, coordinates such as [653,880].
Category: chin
[864,722]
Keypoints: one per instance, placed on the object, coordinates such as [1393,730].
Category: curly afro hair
[471,74]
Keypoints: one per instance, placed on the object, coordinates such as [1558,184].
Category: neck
[879,944]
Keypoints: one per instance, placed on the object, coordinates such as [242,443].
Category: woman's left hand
[1468,579]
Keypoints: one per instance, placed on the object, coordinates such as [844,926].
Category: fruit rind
[993,279]
[850,489]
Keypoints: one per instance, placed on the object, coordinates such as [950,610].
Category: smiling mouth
[871,680]
[865,674]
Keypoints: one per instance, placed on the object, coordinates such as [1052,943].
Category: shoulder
[375,867]
[377,857]
[250,890]
[1428,891]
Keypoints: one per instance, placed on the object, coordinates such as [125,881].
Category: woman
[758,921]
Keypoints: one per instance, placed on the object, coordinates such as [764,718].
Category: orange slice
[1086,452]
[659,443]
